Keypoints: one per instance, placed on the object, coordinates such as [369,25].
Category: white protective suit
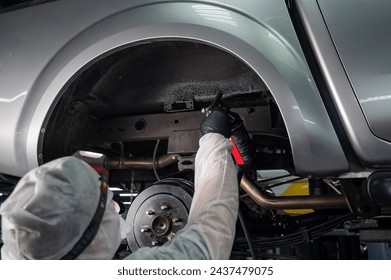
[52,205]
[210,230]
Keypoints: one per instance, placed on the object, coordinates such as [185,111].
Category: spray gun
[243,150]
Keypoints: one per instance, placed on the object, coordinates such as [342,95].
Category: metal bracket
[186,162]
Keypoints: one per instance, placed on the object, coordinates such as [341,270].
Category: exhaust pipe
[260,197]
[141,163]
[291,202]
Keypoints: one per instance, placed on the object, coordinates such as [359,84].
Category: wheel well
[124,97]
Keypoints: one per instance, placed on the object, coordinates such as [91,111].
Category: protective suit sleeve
[210,230]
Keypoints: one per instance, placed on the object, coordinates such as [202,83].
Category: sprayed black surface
[152,75]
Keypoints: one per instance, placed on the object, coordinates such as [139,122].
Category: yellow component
[297,189]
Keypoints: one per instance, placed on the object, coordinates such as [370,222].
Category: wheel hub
[158,213]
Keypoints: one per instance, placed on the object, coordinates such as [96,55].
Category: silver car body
[350,39]
[43,47]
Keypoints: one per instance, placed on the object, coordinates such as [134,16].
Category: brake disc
[159,212]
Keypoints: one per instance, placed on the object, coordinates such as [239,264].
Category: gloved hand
[217,122]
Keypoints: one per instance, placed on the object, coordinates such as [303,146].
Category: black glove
[217,122]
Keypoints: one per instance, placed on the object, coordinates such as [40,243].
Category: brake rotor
[159,212]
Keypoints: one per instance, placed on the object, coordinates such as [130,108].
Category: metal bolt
[164,207]
[150,212]
[175,220]
[169,237]
[155,242]
[145,230]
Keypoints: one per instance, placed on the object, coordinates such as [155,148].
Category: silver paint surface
[371,150]
[360,32]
